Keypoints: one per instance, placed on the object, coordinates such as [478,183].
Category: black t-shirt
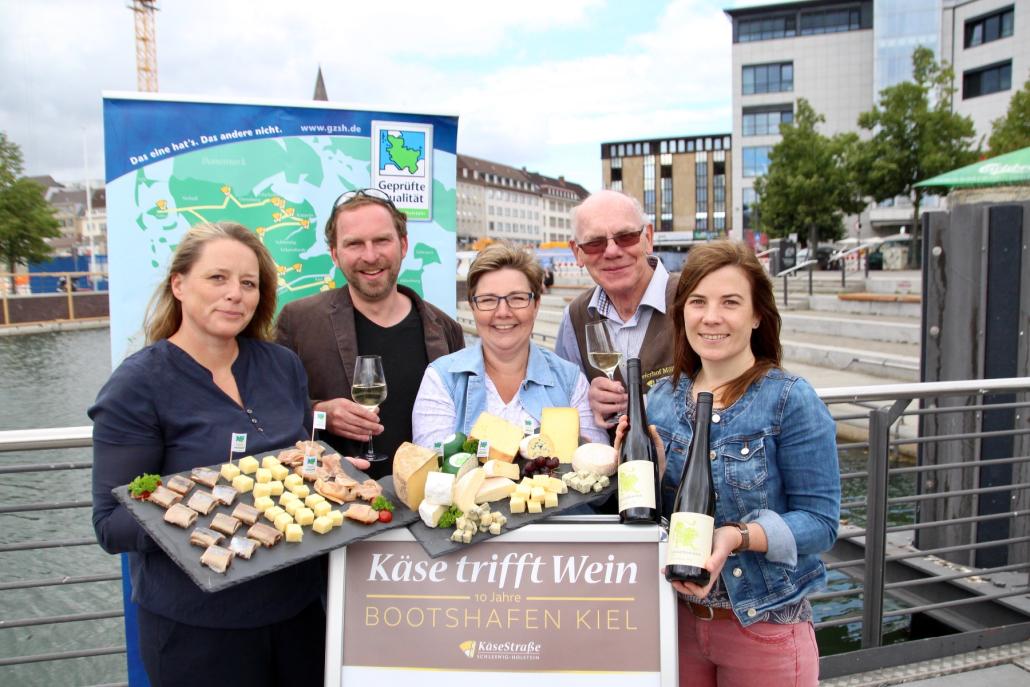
[403,350]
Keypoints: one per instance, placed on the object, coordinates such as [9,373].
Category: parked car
[823,252]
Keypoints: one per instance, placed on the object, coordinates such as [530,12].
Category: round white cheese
[600,459]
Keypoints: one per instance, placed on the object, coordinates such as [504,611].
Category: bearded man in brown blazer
[371,315]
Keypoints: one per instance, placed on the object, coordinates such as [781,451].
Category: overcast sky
[535,83]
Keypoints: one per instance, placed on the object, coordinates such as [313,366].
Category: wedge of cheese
[411,466]
[439,489]
[561,426]
[503,436]
[467,488]
[498,468]
[494,489]
[430,513]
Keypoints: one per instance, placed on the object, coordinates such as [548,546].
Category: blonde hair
[164,313]
[498,256]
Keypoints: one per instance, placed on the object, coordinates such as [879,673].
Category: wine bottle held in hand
[693,516]
[639,495]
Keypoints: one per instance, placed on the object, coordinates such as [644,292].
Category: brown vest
[657,349]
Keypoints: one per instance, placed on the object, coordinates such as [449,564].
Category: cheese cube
[301,491]
[279,472]
[523,491]
[550,500]
[275,488]
[263,503]
[337,517]
[272,513]
[312,499]
[270,462]
[517,504]
[286,497]
[260,490]
[537,494]
[561,425]
[440,488]
[230,471]
[556,486]
[411,467]
[494,489]
[242,484]
[466,489]
[248,465]
[321,509]
[498,468]
[292,507]
[282,520]
[262,475]
[533,506]
[431,512]
[504,437]
[291,480]
[322,525]
[495,528]
[306,516]
[294,533]
[540,480]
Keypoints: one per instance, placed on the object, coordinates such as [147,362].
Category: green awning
[1005,170]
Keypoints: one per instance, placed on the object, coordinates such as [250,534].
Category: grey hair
[638,209]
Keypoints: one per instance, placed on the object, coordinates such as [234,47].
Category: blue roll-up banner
[276,168]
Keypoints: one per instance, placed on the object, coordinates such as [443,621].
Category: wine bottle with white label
[693,516]
[639,495]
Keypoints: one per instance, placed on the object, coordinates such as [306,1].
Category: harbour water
[49,381]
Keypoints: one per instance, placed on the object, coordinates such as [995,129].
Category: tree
[808,185]
[1012,132]
[915,136]
[26,219]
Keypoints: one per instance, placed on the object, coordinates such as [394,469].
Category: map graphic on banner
[280,186]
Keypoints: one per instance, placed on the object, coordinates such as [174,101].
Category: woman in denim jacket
[774,466]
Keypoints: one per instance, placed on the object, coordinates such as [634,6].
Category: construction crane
[146,45]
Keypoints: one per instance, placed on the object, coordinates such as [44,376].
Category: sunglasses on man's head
[623,239]
[371,193]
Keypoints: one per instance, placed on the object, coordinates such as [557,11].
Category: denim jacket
[774,462]
[550,381]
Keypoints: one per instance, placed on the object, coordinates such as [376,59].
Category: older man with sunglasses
[371,315]
[633,293]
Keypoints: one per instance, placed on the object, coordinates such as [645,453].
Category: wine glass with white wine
[600,350]
[369,390]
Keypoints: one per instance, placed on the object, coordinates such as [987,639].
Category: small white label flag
[319,419]
[239,443]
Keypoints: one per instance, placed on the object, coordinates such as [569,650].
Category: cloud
[534,83]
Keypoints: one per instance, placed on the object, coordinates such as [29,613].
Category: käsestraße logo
[468,648]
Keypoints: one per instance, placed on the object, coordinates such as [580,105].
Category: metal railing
[888,561]
[810,264]
[24,279]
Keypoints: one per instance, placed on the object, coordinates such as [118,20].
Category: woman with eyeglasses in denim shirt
[775,471]
[504,373]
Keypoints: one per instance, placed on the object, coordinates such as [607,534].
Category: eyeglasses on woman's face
[516,301]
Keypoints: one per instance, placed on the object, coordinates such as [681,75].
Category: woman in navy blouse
[209,371]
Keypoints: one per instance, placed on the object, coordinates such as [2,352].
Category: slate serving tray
[437,541]
[175,541]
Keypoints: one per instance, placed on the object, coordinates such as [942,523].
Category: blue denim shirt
[550,381]
[774,462]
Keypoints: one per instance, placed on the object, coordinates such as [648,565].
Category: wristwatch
[745,536]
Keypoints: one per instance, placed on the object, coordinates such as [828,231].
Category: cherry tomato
[385,516]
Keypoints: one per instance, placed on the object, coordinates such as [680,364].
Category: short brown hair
[164,314]
[400,220]
[702,260]
[498,256]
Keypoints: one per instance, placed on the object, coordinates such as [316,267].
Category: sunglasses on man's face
[623,239]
